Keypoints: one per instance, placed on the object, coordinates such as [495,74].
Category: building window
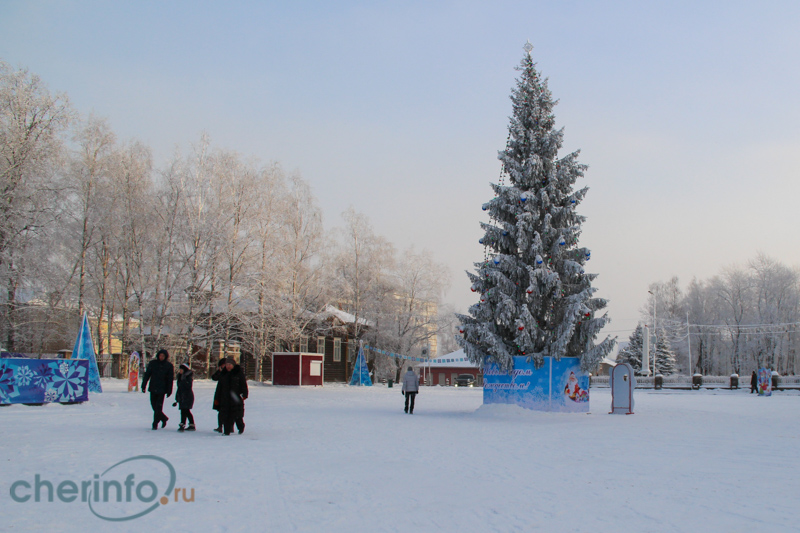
[337,350]
[303,343]
[321,345]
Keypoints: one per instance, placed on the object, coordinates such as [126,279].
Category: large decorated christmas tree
[535,297]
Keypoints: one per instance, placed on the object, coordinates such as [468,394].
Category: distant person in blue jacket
[410,389]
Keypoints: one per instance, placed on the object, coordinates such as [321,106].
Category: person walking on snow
[216,407]
[410,389]
[184,396]
[232,394]
[753,382]
[159,375]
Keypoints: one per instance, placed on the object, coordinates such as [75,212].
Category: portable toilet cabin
[623,382]
[297,368]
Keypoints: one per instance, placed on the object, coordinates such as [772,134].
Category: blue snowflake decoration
[42,375]
[23,376]
[36,381]
[69,382]
[9,389]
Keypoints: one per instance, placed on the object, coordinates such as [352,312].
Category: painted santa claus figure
[574,391]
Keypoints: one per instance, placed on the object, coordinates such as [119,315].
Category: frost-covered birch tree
[32,125]
[89,177]
[362,261]
[134,187]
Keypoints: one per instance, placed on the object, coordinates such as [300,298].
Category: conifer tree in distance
[535,297]
[632,353]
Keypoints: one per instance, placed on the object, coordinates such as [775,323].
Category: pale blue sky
[686,112]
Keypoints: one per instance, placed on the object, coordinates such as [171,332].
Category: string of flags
[420,359]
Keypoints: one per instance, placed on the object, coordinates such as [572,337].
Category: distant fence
[107,368]
[709,382]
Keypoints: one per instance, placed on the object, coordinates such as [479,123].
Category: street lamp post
[655,333]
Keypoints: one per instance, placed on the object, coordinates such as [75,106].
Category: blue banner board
[764,382]
[44,380]
[559,386]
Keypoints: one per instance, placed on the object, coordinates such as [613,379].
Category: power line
[743,326]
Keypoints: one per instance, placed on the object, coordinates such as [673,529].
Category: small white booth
[622,383]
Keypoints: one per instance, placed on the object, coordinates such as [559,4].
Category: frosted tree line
[745,317]
[212,245]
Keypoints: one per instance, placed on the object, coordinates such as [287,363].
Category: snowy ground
[348,459]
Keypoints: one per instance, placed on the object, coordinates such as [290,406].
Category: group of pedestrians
[229,396]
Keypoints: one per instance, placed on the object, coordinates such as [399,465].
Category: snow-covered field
[348,459]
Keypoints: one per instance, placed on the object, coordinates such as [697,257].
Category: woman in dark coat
[215,377]
[233,392]
[184,397]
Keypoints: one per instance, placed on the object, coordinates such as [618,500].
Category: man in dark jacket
[159,375]
[232,394]
[753,382]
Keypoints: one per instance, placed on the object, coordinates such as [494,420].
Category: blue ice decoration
[523,197]
[496,261]
[84,349]
[43,380]
[361,372]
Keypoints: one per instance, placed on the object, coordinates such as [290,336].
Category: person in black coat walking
[753,382]
[233,392]
[215,376]
[184,396]
[159,375]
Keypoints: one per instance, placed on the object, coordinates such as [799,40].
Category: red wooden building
[298,368]
[330,335]
[444,370]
